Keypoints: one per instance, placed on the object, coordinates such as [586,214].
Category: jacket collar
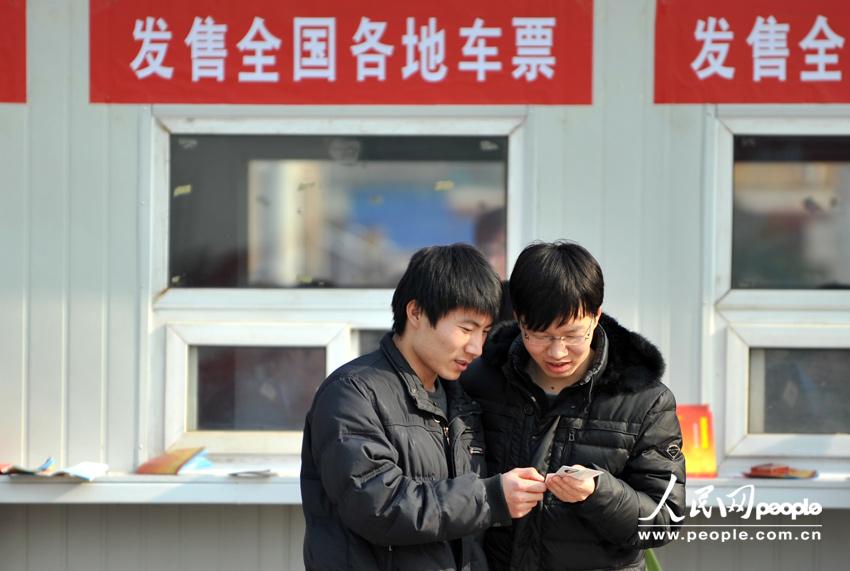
[631,360]
[459,401]
[600,357]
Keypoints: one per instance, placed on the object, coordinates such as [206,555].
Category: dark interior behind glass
[270,211]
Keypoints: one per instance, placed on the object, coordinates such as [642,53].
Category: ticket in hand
[577,473]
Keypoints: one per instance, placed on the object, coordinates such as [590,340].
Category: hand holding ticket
[578,473]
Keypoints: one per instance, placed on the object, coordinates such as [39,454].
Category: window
[267,211]
[791,218]
[802,391]
[781,287]
[253,388]
[275,245]
[367,340]
[247,378]
[785,382]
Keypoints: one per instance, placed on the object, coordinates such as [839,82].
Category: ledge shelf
[135,489]
[285,490]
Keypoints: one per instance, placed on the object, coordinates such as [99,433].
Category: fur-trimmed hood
[632,359]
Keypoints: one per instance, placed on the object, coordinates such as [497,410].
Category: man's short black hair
[444,278]
[556,282]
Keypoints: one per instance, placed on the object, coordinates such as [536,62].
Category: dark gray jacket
[622,420]
[379,487]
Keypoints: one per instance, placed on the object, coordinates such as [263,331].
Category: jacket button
[528,409]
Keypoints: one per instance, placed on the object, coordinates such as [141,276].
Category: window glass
[791,214]
[267,211]
[802,391]
[255,388]
[369,340]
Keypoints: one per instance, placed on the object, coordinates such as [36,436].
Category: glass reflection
[791,219]
[256,388]
[369,340]
[318,223]
[309,211]
[802,391]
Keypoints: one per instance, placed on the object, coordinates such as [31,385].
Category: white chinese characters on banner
[206,40]
[820,39]
[315,48]
[715,36]
[425,52]
[153,49]
[315,51]
[534,38]
[257,41]
[768,40]
[476,47]
[371,54]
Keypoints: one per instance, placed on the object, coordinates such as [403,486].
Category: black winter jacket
[622,421]
[379,490]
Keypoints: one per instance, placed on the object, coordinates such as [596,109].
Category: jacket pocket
[473,442]
[610,434]
[608,444]
[471,451]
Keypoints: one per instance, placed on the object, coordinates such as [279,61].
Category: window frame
[737,320]
[743,337]
[180,408]
[163,308]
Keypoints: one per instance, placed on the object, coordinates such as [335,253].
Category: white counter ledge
[138,489]
[831,493]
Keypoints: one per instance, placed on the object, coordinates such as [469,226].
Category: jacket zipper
[526,424]
[450,464]
[450,459]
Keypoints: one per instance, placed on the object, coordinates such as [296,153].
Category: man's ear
[598,313]
[414,314]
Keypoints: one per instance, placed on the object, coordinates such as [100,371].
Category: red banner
[13,51]
[342,52]
[759,51]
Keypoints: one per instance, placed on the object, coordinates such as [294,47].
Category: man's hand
[523,489]
[571,490]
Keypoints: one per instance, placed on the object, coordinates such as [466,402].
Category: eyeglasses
[540,340]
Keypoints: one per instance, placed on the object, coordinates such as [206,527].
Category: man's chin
[451,373]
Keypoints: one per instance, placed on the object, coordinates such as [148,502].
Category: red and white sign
[13,51]
[342,52]
[758,51]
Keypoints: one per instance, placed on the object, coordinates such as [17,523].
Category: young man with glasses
[566,385]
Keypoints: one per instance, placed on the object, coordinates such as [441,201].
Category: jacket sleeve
[360,473]
[617,505]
